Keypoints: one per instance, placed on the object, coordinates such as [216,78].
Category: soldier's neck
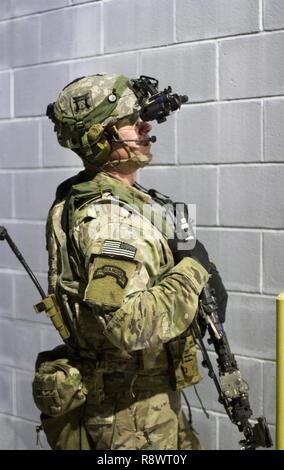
[127,179]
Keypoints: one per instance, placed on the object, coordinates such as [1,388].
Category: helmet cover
[89,110]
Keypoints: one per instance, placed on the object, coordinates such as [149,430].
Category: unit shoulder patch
[111,273]
[108,270]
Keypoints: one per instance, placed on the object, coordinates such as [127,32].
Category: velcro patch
[117,249]
[108,270]
[109,280]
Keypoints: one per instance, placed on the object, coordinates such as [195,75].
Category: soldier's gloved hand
[198,253]
[220,293]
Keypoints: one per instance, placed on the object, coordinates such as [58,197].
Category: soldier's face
[138,135]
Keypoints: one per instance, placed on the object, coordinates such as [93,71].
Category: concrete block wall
[223,151]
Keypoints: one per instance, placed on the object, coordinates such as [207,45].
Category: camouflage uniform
[113,273]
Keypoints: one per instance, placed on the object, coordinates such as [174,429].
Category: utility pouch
[58,387]
[60,395]
[66,432]
[182,360]
[50,306]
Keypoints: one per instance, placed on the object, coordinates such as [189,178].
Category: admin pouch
[182,362]
[60,395]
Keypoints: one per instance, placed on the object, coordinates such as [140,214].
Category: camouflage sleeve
[147,299]
[160,313]
[51,246]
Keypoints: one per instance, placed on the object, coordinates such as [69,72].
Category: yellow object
[49,305]
[280,372]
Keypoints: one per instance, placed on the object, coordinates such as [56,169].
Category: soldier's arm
[160,313]
[146,299]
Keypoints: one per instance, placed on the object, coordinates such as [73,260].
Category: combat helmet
[88,113]
[90,110]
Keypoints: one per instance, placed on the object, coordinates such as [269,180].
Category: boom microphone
[145,142]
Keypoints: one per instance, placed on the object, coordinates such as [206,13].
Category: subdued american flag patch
[116,248]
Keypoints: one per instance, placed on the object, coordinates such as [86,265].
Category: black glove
[198,253]
[219,291]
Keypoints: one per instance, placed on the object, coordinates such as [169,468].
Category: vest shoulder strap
[84,192]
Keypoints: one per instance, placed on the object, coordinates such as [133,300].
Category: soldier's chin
[144,160]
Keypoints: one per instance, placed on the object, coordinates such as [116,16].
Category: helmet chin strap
[132,163]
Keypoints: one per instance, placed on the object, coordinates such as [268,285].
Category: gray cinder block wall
[222,151]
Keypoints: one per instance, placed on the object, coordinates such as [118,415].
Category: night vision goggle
[155,104]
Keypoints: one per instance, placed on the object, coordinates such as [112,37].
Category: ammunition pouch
[182,362]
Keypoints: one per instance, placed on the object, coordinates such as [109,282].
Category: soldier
[130,295]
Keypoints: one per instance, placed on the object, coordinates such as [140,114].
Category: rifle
[48,303]
[232,389]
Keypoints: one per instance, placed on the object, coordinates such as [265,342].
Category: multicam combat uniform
[113,273]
